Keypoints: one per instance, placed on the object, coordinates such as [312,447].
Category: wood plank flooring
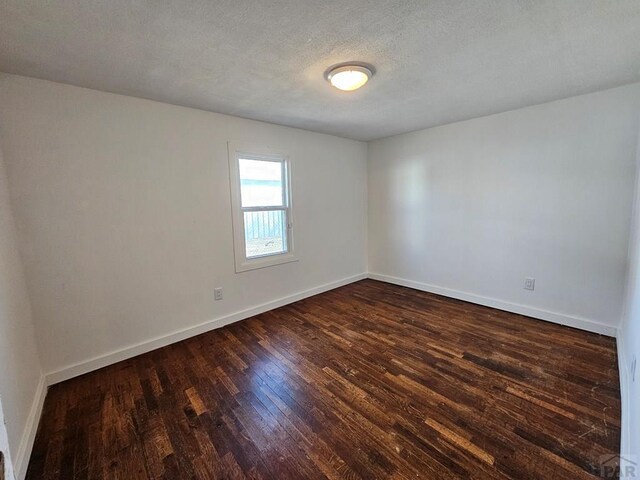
[366,381]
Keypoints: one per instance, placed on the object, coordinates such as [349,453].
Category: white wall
[123,215]
[21,388]
[629,339]
[472,208]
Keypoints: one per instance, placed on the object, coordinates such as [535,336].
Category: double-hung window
[261,207]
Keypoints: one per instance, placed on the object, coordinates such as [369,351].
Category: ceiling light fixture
[349,77]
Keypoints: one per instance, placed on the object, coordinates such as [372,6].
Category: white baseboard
[149,345]
[625,400]
[562,319]
[29,435]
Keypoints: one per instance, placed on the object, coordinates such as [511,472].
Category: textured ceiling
[437,61]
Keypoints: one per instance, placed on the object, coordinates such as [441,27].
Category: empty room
[319,239]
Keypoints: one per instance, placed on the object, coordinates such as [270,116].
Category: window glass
[261,183]
[265,233]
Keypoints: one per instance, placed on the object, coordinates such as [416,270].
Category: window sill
[263,262]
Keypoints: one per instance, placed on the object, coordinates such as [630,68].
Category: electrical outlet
[633,369]
[217,293]
[529,283]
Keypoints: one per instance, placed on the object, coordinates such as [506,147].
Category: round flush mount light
[349,77]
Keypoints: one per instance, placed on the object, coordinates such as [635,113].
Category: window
[261,206]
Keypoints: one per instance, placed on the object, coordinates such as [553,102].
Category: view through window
[263,195]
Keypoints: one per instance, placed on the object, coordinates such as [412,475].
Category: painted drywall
[123,213]
[472,208]
[629,342]
[20,371]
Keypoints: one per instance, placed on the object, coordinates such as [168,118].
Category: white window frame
[237,151]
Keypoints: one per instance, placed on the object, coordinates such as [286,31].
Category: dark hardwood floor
[367,381]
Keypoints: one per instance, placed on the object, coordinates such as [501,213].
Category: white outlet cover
[529,283]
